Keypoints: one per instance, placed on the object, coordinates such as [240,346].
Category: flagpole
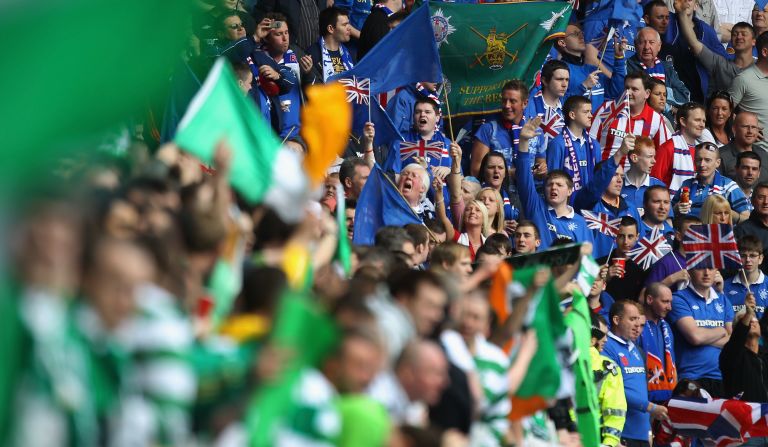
[448,110]
[602,55]
[288,135]
[746,280]
[370,98]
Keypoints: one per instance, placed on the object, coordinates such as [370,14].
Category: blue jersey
[402,153]
[630,360]
[586,154]
[696,362]
[359,10]
[497,138]
[537,107]
[736,292]
[634,194]
[550,226]
[720,185]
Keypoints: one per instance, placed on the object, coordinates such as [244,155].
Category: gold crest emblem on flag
[496,48]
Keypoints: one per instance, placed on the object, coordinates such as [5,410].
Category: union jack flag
[711,246]
[552,124]
[358,89]
[615,110]
[601,222]
[650,249]
[433,150]
[724,422]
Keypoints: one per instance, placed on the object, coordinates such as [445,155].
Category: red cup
[621,262]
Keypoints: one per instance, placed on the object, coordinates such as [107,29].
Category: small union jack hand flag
[650,249]
[613,110]
[711,246]
[601,222]
[358,89]
[434,150]
[552,124]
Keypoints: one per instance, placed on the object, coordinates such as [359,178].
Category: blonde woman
[474,226]
[492,200]
[716,210]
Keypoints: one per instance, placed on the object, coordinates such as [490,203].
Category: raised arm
[479,149]
[369,132]
[440,210]
[685,20]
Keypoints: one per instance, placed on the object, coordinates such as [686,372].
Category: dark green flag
[482,46]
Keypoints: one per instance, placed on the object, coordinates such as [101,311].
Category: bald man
[419,377]
[648,45]
[746,130]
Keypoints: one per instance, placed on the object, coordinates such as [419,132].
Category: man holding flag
[614,120]
[624,279]
[400,108]
[614,206]
[553,214]
[573,150]
[586,79]
[546,103]
[423,142]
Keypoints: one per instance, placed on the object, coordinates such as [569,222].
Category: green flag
[221,110]
[308,333]
[543,376]
[343,252]
[579,320]
[75,69]
[482,46]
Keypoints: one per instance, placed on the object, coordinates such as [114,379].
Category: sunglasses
[597,333]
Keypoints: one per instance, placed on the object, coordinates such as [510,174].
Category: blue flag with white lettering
[380,204]
[406,55]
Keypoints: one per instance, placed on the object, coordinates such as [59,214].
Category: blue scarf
[657,71]
[328,70]
[659,362]
[574,158]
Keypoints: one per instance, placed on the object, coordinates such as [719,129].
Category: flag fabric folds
[542,380]
[602,223]
[367,107]
[221,111]
[482,46]
[343,251]
[551,125]
[650,249]
[325,126]
[726,422]
[380,204]
[406,55]
[711,246]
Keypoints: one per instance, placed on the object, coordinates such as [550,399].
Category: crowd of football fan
[111,317]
